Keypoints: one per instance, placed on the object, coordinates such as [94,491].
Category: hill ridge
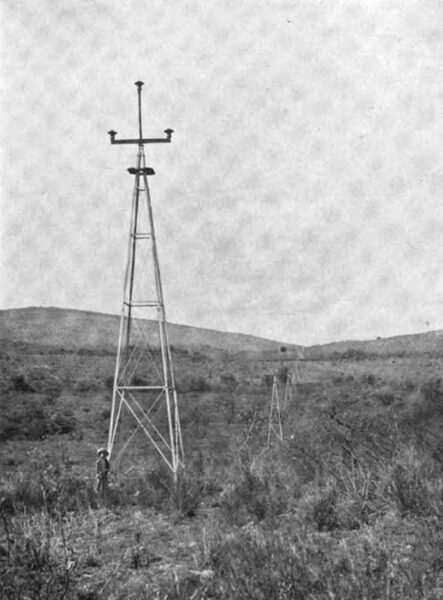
[77,328]
[84,328]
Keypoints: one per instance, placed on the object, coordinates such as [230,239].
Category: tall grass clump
[46,487]
[156,488]
[413,481]
[37,559]
[257,488]
[292,561]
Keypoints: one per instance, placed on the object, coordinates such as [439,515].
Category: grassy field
[349,505]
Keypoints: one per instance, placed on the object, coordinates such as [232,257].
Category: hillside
[83,329]
[345,504]
[75,329]
[418,343]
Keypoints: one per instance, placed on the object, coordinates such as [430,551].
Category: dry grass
[348,506]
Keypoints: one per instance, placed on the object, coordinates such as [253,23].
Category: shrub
[21,424]
[324,510]
[200,384]
[431,406]
[413,481]
[109,382]
[63,422]
[370,379]
[20,384]
[432,391]
[34,418]
[187,494]
[257,493]
[228,380]
[86,385]
[38,378]
[386,397]
[193,384]
[352,354]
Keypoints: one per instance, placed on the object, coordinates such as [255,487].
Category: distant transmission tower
[274,422]
[144,385]
[293,378]
[289,394]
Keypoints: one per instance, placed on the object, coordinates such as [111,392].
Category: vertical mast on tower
[144,384]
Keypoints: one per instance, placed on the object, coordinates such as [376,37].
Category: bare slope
[83,329]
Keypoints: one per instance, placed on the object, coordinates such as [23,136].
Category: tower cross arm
[139,141]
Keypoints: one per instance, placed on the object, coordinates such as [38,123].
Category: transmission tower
[288,396]
[293,378]
[144,385]
[274,422]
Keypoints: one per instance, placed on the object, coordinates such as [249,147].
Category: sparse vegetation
[34,417]
[349,505]
[193,384]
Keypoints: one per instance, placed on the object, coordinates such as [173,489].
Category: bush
[86,385]
[37,379]
[324,510]
[351,354]
[63,422]
[414,483]
[200,384]
[24,423]
[34,417]
[193,384]
[386,397]
[258,493]
[109,382]
[431,393]
[370,379]
[228,381]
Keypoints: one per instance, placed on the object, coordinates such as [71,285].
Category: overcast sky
[301,198]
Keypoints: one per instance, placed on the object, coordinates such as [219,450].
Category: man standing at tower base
[102,470]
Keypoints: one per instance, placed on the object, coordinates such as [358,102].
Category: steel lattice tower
[274,421]
[144,384]
[288,395]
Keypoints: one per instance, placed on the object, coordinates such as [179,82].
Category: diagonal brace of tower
[144,384]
